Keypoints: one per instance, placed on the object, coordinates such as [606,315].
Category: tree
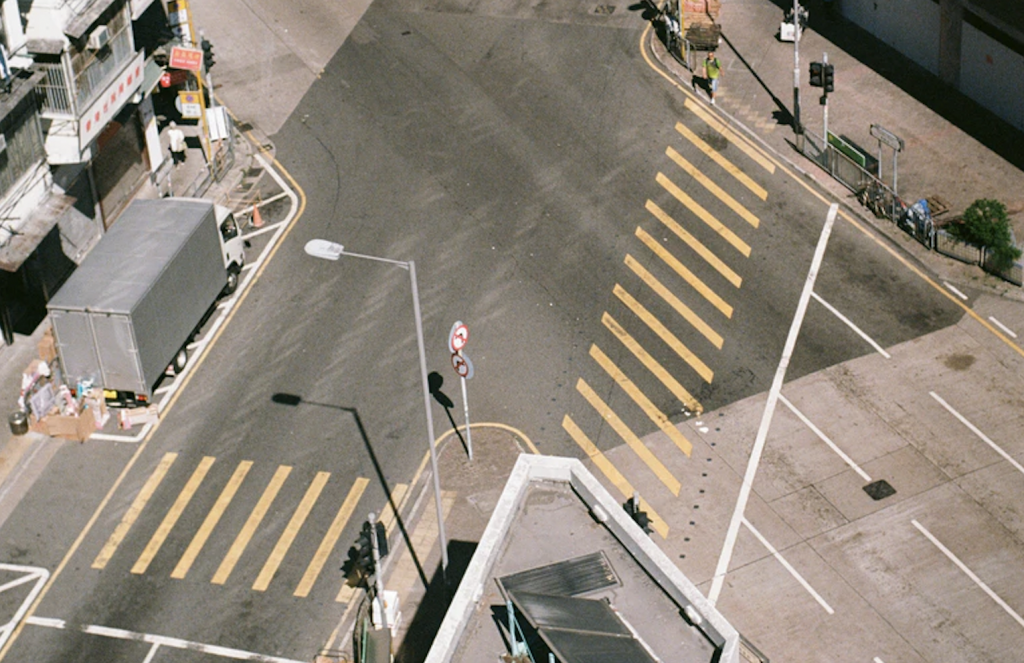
[986,223]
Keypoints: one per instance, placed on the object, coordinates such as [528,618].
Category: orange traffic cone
[257,219]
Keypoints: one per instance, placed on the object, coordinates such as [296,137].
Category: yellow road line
[709,220]
[718,191]
[227,565]
[611,472]
[134,511]
[649,408]
[726,165]
[331,537]
[165,527]
[663,332]
[211,520]
[688,276]
[695,244]
[682,309]
[629,437]
[291,530]
[735,138]
[652,364]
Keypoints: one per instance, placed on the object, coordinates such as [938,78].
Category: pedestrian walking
[176,140]
[712,74]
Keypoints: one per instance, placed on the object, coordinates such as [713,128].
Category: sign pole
[465,407]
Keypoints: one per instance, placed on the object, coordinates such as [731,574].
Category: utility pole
[378,582]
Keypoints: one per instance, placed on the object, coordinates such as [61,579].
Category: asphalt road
[518,159]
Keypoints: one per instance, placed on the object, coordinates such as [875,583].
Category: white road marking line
[151,654]
[954,290]
[878,660]
[161,640]
[852,326]
[37,573]
[1009,332]
[974,429]
[970,574]
[769,409]
[825,439]
[789,567]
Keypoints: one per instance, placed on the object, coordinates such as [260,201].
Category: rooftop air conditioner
[98,38]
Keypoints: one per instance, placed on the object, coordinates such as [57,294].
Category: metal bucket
[18,421]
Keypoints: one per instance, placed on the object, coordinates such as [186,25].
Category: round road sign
[458,337]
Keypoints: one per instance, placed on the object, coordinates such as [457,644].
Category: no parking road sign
[458,337]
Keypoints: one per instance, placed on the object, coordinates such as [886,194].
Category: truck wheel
[232,283]
[180,360]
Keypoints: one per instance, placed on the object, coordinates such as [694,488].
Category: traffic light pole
[378,582]
[824,105]
[798,129]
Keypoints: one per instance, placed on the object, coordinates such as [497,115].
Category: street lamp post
[321,248]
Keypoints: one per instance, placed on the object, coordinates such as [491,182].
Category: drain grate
[879,490]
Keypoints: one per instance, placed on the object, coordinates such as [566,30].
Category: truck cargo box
[139,295]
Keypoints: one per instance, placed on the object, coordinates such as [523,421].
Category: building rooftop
[585,582]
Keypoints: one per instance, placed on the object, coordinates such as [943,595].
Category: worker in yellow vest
[712,74]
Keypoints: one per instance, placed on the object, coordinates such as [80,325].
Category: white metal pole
[442,539]
[824,112]
[378,581]
[797,127]
[465,408]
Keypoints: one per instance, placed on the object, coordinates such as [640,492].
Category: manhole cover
[879,490]
[605,10]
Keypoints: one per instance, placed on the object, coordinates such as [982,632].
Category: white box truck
[138,299]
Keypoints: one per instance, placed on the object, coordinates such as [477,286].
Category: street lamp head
[321,248]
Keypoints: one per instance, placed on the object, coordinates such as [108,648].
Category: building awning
[78,26]
[150,76]
[45,46]
[22,85]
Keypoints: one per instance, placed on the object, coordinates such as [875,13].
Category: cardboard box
[70,428]
[48,347]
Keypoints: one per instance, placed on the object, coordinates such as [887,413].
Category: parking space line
[953,289]
[291,530]
[227,565]
[629,437]
[171,518]
[211,520]
[612,473]
[852,326]
[682,309]
[698,247]
[133,512]
[736,139]
[712,187]
[652,364]
[670,339]
[1006,330]
[970,574]
[649,408]
[974,429]
[824,438]
[789,567]
[331,537]
[726,165]
[680,269]
[698,210]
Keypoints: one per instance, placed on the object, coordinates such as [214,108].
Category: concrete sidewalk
[953,147]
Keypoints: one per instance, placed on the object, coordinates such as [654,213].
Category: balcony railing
[60,96]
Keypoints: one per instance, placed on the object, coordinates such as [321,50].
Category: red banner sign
[186,58]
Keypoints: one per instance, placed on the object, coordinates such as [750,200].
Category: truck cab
[232,247]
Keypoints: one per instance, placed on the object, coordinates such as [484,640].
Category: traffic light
[829,78]
[382,539]
[816,74]
[359,564]
[207,47]
[632,507]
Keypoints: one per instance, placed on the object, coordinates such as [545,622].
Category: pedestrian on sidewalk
[712,74]
[176,140]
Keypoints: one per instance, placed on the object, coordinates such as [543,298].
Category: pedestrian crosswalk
[670,310]
[242,523]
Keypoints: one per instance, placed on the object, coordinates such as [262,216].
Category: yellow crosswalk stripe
[682,309]
[331,537]
[227,565]
[680,269]
[708,184]
[710,221]
[171,518]
[611,472]
[629,437]
[291,530]
[691,241]
[726,165]
[211,520]
[133,512]
[663,332]
[736,139]
[649,408]
[652,364]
